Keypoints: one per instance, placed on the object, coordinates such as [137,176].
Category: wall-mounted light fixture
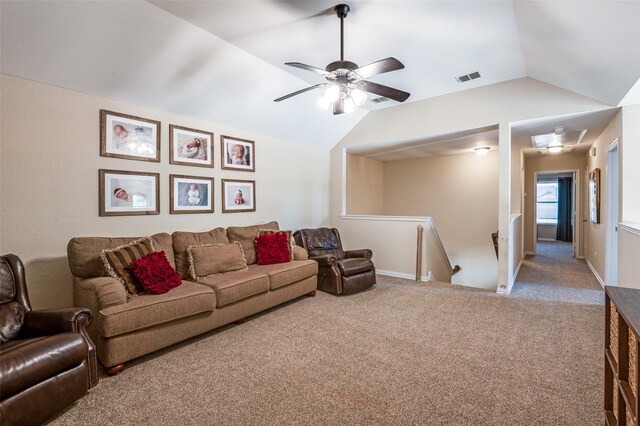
[482,150]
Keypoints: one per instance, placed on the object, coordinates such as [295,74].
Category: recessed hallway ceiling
[223,61]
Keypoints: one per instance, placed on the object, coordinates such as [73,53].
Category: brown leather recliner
[339,271]
[47,360]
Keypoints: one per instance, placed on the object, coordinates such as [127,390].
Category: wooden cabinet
[622,324]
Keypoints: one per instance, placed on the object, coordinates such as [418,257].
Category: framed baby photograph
[238,196]
[190,147]
[129,137]
[190,194]
[238,154]
[124,193]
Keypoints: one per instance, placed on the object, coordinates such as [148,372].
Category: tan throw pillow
[292,242]
[246,235]
[182,241]
[215,259]
[116,262]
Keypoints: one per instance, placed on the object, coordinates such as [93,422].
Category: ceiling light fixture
[482,150]
[556,146]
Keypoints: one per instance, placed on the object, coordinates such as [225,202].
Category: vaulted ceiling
[223,61]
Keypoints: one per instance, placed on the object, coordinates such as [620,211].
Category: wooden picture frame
[129,137]
[125,193]
[190,147]
[237,154]
[238,195]
[594,196]
[190,194]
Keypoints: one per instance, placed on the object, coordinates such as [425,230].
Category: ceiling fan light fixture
[358,96]
[346,85]
[332,93]
[349,104]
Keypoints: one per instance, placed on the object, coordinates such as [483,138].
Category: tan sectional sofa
[126,329]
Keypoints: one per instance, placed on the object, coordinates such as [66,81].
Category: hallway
[554,275]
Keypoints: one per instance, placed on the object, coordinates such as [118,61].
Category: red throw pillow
[155,273]
[273,248]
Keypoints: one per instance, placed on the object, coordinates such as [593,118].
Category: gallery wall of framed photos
[128,192]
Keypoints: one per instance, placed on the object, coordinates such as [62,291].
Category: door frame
[612,203]
[575,201]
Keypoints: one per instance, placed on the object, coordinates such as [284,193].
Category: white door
[611,256]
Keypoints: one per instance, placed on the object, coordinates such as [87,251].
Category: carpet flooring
[401,353]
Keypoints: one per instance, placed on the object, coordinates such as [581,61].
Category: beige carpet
[402,353]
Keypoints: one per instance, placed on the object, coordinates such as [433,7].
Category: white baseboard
[529,253]
[595,273]
[515,275]
[424,278]
[547,239]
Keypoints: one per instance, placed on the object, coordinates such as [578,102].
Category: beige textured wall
[545,163]
[597,232]
[49,176]
[365,185]
[460,192]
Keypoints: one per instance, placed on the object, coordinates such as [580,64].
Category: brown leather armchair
[339,271]
[47,360]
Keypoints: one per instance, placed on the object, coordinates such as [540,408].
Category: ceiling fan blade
[379,67]
[386,91]
[306,67]
[299,91]
[338,107]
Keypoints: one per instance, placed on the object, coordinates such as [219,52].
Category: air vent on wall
[380,99]
[468,77]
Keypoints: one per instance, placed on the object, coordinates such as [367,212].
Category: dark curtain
[564,231]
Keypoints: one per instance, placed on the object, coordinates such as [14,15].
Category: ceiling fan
[346,84]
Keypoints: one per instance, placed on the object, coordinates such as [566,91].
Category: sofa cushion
[154,273]
[116,262]
[148,310]
[273,248]
[84,252]
[356,265]
[26,362]
[234,286]
[212,259]
[246,236]
[182,241]
[283,274]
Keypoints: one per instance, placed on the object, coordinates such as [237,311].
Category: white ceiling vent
[468,77]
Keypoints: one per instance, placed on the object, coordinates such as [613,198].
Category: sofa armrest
[326,260]
[300,253]
[53,321]
[46,322]
[366,253]
[99,293]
